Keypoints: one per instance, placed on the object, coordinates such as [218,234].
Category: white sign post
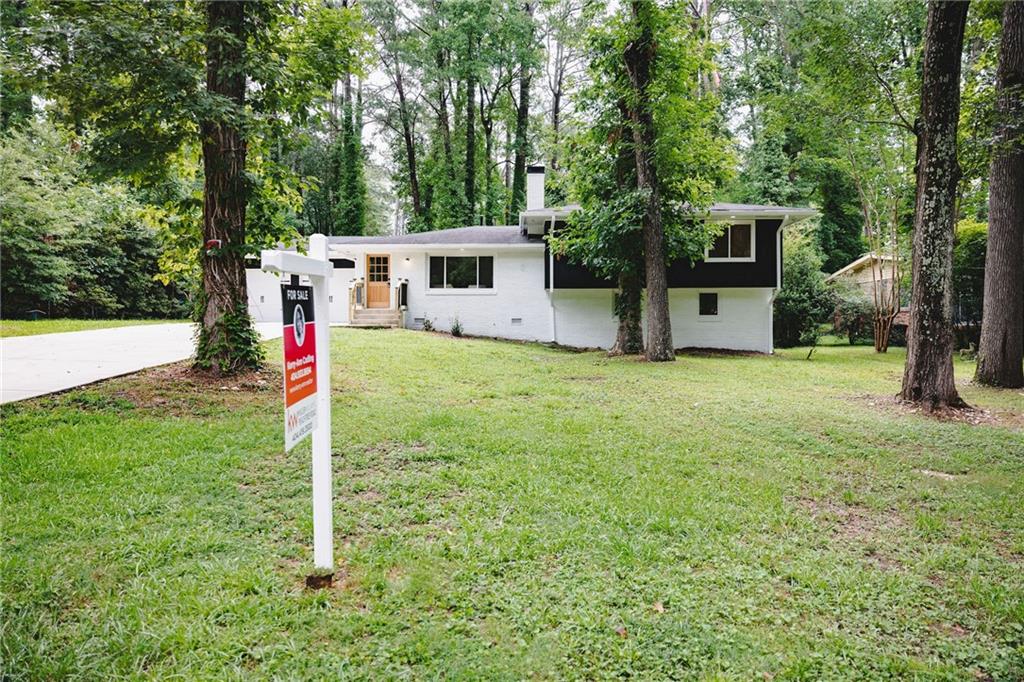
[317,267]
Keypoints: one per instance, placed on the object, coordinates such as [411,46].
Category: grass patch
[10,328]
[506,511]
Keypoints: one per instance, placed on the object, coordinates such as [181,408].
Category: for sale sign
[299,363]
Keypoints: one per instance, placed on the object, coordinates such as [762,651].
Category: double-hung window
[462,272]
[735,244]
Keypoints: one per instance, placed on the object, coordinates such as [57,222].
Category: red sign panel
[299,363]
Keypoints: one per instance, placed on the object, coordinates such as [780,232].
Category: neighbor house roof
[856,265]
[494,235]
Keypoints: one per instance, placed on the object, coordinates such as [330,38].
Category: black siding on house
[760,273]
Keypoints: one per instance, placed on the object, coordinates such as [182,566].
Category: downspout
[551,284]
[778,285]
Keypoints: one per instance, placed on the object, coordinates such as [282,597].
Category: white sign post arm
[323,522]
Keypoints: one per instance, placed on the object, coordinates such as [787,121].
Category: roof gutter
[434,246]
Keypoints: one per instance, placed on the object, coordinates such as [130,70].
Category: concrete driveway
[37,365]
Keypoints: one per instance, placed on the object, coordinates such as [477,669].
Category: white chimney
[534,187]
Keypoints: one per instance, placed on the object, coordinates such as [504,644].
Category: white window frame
[728,232]
[445,290]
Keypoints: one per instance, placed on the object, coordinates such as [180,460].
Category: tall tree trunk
[629,339]
[442,110]
[487,123]
[470,187]
[1002,324]
[408,136]
[928,376]
[227,339]
[556,107]
[639,58]
[522,127]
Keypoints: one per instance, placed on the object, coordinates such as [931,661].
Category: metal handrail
[356,296]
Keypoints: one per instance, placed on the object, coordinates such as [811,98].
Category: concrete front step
[371,317]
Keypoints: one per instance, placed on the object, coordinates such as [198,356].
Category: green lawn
[55,326]
[509,511]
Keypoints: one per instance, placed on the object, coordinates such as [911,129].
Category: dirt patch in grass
[951,630]
[173,390]
[177,389]
[966,415]
[850,521]
[942,475]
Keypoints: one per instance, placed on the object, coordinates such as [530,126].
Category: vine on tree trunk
[229,344]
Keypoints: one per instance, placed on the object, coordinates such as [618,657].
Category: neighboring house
[504,281]
[859,274]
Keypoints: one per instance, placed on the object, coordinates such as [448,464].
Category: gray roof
[477,234]
[512,234]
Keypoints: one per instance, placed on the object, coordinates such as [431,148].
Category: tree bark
[487,124]
[522,127]
[639,58]
[1002,324]
[629,339]
[928,375]
[227,340]
[442,110]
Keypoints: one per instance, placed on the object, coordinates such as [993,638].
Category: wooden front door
[378,281]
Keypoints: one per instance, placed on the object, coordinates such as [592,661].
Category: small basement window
[736,243]
[462,272]
[708,304]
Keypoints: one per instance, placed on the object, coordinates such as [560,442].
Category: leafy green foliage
[982,38]
[691,155]
[231,345]
[15,85]
[840,233]
[853,315]
[804,302]
[71,246]
[452,58]
[133,76]
[823,85]
[969,275]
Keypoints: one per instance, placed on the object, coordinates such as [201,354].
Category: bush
[853,315]
[805,300]
[70,245]
[969,280]
[456,327]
